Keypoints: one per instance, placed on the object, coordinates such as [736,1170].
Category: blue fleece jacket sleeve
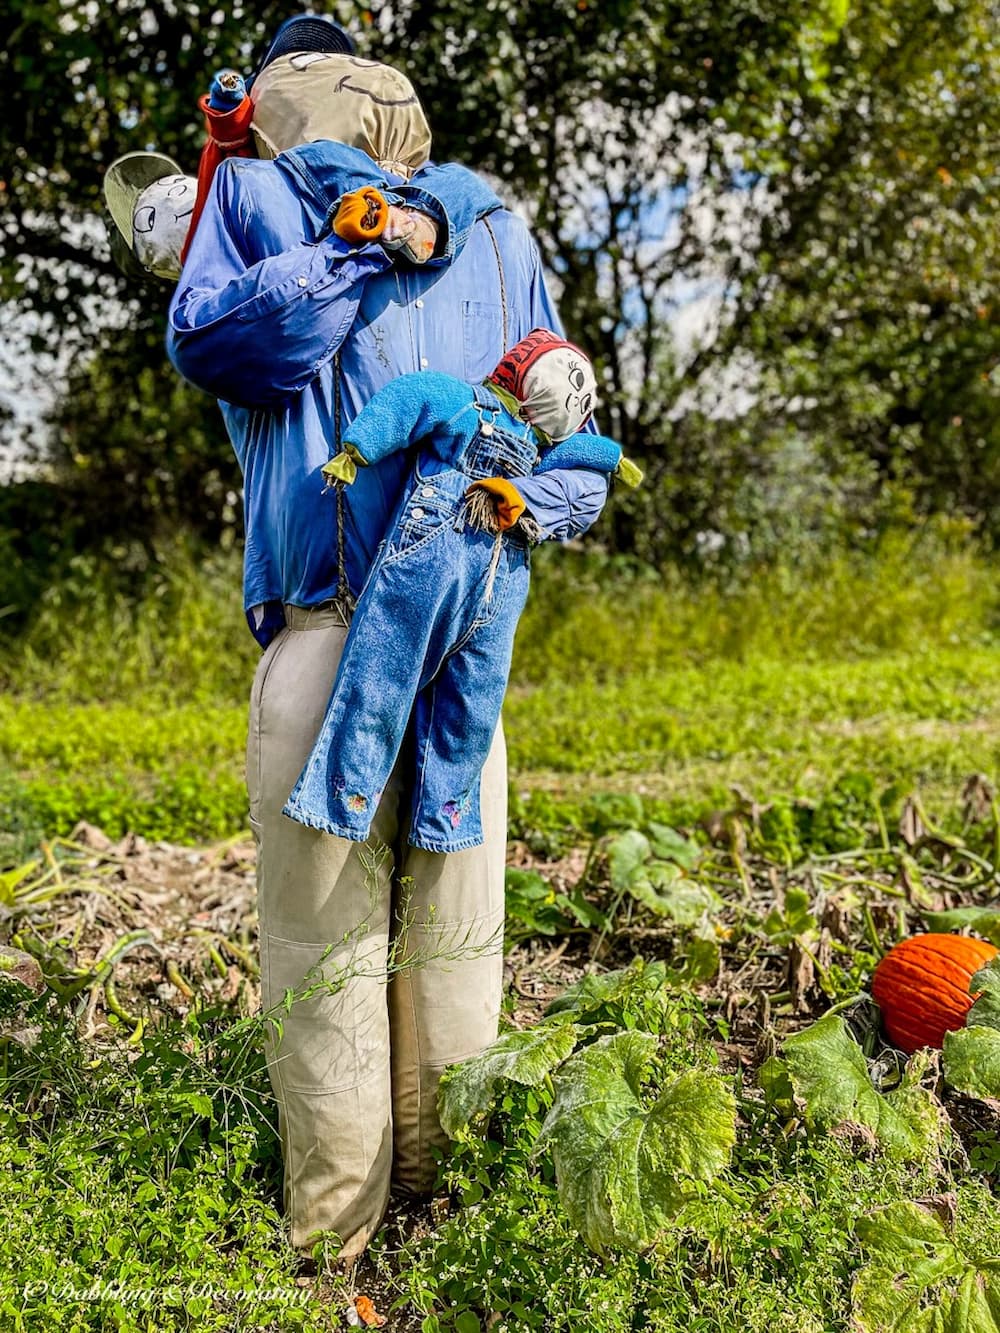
[425,405]
[254,330]
[582,450]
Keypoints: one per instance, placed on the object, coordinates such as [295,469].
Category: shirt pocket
[482,335]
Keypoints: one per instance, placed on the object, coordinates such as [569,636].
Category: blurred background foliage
[773,224]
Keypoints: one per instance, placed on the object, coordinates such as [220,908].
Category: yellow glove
[629,473]
[343,467]
[507,503]
[361,216]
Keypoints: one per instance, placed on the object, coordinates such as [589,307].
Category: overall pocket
[430,508]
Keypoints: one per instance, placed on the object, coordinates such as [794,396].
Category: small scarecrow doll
[428,653]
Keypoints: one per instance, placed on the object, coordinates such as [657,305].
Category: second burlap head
[313,95]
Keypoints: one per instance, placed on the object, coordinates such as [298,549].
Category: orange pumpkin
[922,987]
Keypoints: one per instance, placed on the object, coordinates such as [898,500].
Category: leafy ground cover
[727,803]
[710,990]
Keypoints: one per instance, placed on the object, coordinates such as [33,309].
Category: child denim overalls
[431,639]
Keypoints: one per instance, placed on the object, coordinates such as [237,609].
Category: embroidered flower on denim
[357,803]
[457,810]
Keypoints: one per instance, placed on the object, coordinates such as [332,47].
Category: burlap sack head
[313,95]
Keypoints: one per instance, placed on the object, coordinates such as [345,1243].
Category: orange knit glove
[361,216]
[507,501]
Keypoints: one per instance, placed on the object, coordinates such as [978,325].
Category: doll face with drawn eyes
[580,378]
[560,392]
[160,222]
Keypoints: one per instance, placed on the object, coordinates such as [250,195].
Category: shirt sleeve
[566,501]
[255,330]
[455,197]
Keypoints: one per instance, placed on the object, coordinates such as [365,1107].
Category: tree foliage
[774,225]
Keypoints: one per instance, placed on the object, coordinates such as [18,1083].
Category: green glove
[628,473]
[343,467]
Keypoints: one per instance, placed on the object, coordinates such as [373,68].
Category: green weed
[141,1192]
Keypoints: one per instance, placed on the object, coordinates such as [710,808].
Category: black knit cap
[306,32]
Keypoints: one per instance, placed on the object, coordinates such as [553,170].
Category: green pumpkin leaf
[829,1076]
[985,1012]
[793,921]
[625,997]
[468,1089]
[626,854]
[625,1167]
[528,885]
[984,921]
[971,1062]
[917,1280]
[777,1086]
[701,957]
[669,845]
[663,888]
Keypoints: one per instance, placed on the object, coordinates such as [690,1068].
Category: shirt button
[418,512]
[303,281]
[419,303]
[428,490]
[424,361]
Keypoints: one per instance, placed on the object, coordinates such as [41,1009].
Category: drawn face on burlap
[553,381]
[313,95]
[160,221]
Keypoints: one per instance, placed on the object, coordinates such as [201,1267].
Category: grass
[683,738]
[142,1193]
[133,715]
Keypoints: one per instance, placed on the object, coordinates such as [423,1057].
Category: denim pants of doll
[427,657]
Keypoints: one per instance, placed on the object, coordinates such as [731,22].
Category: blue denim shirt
[269,295]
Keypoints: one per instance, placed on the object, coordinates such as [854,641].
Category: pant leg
[407,618]
[330,1067]
[457,712]
[394,633]
[446,1008]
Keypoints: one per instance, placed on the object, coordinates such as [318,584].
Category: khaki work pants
[356,1066]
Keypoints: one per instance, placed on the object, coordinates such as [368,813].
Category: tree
[772,223]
